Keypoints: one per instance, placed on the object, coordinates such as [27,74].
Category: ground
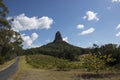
[27,72]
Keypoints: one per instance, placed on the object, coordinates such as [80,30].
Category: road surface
[5,74]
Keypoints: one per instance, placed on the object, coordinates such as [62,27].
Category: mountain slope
[60,48]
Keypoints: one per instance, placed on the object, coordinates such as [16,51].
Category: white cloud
[90,15]
[23,22]
[28,41]
[34,46]
[118,27]
[65,39]
[34,36]
[84,17]
[80,26]
[115,0]
[118,34]
[90,30]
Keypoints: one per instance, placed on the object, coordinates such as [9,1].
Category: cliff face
[58,37]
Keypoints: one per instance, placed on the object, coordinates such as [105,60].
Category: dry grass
[27,72]
[100,76]
[6,64]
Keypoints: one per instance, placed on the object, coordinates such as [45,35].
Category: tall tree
[8,38]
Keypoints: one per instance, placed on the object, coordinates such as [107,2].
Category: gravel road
[5,74]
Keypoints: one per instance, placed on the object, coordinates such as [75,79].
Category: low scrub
[50,62]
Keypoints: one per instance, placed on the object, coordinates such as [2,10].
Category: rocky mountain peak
[58,37]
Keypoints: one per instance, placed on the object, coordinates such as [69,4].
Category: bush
[63,65]
[43,61]
[95,62]
[50,62]
[92,63]
[1,60]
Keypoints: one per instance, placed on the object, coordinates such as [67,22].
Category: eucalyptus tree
[9,38]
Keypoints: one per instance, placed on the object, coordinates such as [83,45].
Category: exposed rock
[58,37]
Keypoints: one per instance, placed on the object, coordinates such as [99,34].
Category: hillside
[58,48]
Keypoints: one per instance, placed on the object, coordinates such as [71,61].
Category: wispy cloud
[115,0]
[23,22]
[35,46]
[118,26]
[80,26]
[118,34]
[88,31]
[90,15]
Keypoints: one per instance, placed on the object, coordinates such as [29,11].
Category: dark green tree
[9,39]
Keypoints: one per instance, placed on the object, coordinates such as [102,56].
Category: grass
[28,72]
[21,68]
[100,76]
[6,64]
[50,62]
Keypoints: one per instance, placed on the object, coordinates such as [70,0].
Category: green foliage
[99,57]
[9,39]
[108,50]
[92,62]
[9,56]
[41,61]
[50,62]
[1,60]
[95,62]
[63,65]
[59,49]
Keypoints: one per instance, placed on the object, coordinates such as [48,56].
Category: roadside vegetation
[100,62]
[7,64]
[28,72]
[50,62]
[95,58]
[10,40]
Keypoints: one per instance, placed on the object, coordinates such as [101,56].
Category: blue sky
[81,22]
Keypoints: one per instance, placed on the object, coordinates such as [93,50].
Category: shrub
[95,62]
[44,61]
[92,62]
[63,65]
[1,60]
